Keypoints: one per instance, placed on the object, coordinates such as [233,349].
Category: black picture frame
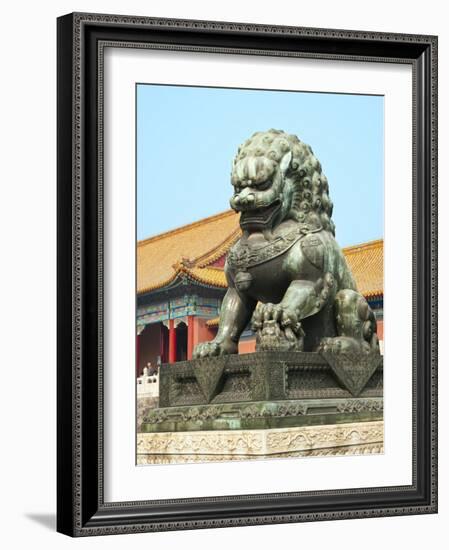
[81,509]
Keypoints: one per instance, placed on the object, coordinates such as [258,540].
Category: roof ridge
[375,243]
[186,227]
[211,267]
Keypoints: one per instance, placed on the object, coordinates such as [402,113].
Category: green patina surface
[262,415]
[286,274]
[317,357]
[269,376]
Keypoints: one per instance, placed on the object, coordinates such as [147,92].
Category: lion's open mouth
[260,217]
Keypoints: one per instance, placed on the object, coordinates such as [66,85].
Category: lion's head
[277,177]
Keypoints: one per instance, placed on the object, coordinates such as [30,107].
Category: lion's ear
[285,162]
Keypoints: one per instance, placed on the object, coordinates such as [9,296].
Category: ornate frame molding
[81,40]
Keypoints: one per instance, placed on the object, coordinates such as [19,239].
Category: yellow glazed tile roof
[213,276]
[190,250]
[160,258]
[366,262]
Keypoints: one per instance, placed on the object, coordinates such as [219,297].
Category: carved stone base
[268,376]
[328,440]
[259,415]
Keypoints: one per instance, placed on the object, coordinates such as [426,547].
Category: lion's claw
[279,313]
[277,328]
[214,348]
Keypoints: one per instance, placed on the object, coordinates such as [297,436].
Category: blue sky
[187,138]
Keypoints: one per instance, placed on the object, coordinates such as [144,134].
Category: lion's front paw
[277,328]
[214,348]
[283,315]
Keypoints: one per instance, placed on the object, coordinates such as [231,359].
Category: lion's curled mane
[310,201]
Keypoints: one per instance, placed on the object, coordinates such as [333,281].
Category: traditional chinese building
[181,283]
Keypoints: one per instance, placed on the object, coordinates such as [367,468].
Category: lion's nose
[243,200]
[246,199]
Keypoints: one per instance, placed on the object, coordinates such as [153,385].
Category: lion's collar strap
[243,256]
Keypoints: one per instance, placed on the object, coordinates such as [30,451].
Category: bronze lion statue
[287,275]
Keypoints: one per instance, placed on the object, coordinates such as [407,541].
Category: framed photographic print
[247,291]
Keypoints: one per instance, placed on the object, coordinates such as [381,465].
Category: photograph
[260,277]
[247,273]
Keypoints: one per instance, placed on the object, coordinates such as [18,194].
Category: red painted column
[189,336]
[171,341]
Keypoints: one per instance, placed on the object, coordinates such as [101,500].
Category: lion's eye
[264,185]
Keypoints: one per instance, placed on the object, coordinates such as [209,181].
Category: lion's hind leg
[355,324]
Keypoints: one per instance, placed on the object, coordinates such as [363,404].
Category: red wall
[380,329]
[247,346]
[201,332]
